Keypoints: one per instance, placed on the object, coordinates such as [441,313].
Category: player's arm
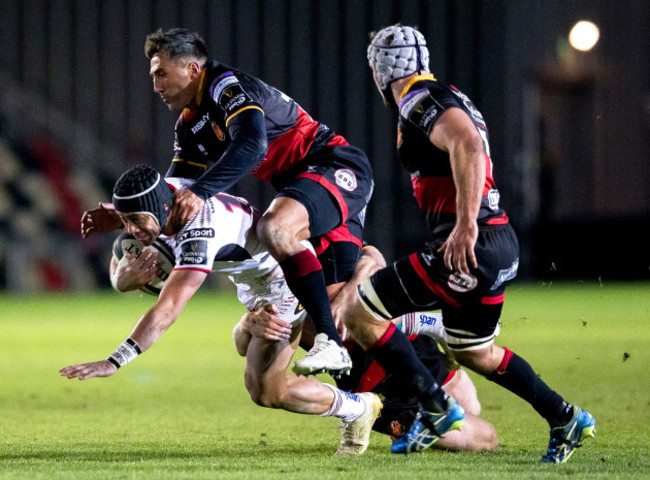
[100,220]
[455,133]
[179,288]
[246,150]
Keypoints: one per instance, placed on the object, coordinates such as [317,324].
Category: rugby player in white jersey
[221,237]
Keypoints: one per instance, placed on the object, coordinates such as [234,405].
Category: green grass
[181,410]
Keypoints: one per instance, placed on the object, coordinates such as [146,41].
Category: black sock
[304,275]
[518,376]
[396,355]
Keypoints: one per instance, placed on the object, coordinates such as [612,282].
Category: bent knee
[484,361]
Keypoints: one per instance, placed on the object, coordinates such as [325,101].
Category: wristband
[125,353]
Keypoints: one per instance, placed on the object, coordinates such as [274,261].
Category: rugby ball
[126,243]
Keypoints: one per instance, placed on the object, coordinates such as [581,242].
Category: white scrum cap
[397,52]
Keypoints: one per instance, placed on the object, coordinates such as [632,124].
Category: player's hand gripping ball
[126,243]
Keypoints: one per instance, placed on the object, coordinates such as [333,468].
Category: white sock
[422,323]
[346,406]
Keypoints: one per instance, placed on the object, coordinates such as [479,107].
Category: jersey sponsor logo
[412,103]
[506,275]
[196,233]
[236,100]
[346,179]
[420,109]
[194,253]
[199,125]
[462,282]
[222,85]
[476,115]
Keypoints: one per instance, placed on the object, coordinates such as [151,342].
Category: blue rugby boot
[564,440]
[429,427]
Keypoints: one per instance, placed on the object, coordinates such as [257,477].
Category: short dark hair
[176,43]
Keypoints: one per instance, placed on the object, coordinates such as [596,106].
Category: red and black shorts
[471,305]
[335,186]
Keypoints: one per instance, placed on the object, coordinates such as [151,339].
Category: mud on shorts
[335,186]
[471,304]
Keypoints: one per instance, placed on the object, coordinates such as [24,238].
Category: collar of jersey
[416,78]
[187,112]
[199,93]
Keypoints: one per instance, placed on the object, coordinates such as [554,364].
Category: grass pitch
[180,411]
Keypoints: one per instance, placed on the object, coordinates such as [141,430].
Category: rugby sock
[306,280]
[395,354]
[516,374]
[422,323]
[347,406]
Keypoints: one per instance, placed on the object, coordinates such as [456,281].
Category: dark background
[568,130]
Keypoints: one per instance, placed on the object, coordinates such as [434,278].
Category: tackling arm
[247,149]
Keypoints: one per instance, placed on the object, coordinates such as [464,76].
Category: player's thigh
[398,289]
[285,217]
[323,211]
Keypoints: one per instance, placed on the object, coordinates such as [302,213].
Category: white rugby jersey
[221,238]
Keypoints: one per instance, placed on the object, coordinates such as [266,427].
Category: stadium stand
[41,201]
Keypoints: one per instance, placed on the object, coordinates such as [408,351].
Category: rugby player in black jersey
[232,123]
[473,255]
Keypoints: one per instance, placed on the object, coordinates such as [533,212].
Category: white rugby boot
[326,356]
[356,434]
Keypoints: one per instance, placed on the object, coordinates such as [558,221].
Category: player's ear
[194,68]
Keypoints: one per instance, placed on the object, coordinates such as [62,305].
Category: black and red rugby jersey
[201,133]
[422,103]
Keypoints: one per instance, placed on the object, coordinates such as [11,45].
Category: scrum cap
[143,190]
[395,52]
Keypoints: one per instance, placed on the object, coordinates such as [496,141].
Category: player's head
[396,52]
[176,59]
[143,199]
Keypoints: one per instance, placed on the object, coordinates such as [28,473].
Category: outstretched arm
[179,288]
